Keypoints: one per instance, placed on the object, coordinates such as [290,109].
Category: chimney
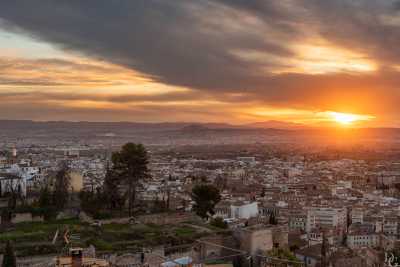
[76,257]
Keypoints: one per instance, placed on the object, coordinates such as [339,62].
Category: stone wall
[255,240]
[280,236]
[21,217]
[25,217]
[167,218]
[159,218]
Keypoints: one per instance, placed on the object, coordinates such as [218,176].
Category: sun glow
[348,118]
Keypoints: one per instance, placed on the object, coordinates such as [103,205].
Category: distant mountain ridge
[276,125]
[186,132]
[109,127]
[270,124]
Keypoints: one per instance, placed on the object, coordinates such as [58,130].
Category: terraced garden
[36,238]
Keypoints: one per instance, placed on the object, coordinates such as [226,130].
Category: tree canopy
[219,222]
[205,197]
[272,219]
[130,167]
[62,186]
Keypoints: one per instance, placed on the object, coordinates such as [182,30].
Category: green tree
[205,197]
[285,255]
[92,202]
[46,204]
[112,196]
[272,219]
[45,197]
[14,195]
[9,259]
[166,190]
[62,186]
[130,166]
[324,250]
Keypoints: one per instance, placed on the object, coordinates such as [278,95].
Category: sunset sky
[236,61]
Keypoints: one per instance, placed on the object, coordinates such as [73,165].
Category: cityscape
[216,133]
[197,202]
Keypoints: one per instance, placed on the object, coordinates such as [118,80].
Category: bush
[102,215]
[283,254]
[48,213]
[219,222]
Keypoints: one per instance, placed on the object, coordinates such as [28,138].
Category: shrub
[219,222]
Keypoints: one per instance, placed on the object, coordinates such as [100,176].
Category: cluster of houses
[322,209]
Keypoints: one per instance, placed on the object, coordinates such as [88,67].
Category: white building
[326,217]
[297,221]
[247,159]
[223,210]
[30,174]
[390,225]
[244,211]
[359,239]
[345,184]
[12,183]
[357,215]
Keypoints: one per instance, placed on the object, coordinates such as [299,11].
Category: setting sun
[348,118]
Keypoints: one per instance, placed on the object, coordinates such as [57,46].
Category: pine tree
[62,186]
[45,197]
[130,166]
[205,197]
[46,203]
[272,219]
[9,259]
[111,190]
[324,248]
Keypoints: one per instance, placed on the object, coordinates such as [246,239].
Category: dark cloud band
[202,44]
